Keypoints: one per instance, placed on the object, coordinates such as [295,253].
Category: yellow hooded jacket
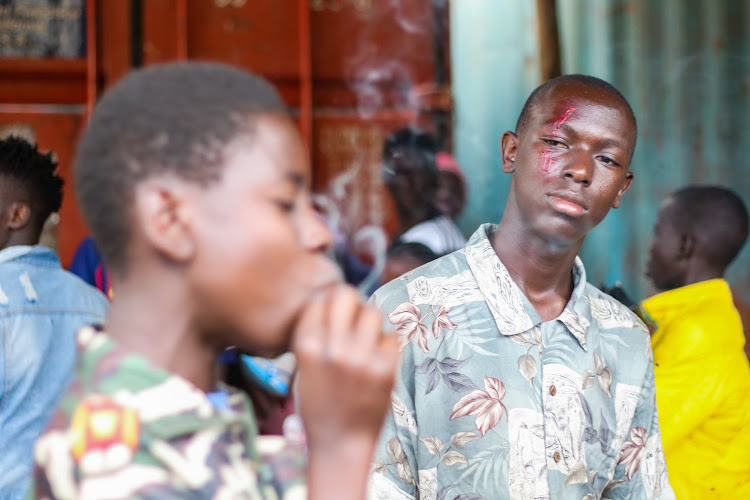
[702,390]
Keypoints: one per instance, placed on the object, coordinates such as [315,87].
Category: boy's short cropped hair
[718,216]
[173,119]
[35,173]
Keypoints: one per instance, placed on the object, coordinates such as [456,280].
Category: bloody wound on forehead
[558,123]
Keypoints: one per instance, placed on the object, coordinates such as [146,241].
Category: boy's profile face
[570,161]
[260,247]
[664,264]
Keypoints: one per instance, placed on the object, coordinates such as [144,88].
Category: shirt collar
[15,251]
[512,311]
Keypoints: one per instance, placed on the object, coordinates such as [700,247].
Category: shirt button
[552,390]
[556,456]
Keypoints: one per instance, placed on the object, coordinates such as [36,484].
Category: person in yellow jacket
[701,372]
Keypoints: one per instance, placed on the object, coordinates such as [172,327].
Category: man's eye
[554,143]
[607,160]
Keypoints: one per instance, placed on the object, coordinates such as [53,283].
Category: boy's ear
[624,189]
[162,206]
[19,214]
[508,151]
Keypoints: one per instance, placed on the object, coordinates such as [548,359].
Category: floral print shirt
[492,402]
[129,430]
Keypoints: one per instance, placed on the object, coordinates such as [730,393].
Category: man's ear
[624,189]
[687,246]
[508,151]
[19,215]
[162,208]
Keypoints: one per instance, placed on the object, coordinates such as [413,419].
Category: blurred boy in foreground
[195,182]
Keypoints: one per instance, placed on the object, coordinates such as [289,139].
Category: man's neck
[152,319]
[541,270]
[699,272]
[22,237]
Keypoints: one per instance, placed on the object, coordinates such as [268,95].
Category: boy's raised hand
[346,370]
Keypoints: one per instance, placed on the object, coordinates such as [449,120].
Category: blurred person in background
[41,307]
[411,175]
[701,370]
[451,194]
[88,265]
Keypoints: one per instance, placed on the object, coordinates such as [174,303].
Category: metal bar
[136,33]
[549,40]
[305,71]
[91,48]
[182,42]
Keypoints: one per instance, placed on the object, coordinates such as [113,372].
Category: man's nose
[580,169]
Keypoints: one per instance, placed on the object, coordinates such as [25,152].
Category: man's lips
[570,204]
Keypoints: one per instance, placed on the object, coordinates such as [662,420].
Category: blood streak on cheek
[549,161]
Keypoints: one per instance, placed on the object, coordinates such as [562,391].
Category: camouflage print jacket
[128,430]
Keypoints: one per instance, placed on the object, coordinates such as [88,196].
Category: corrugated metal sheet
[685,67]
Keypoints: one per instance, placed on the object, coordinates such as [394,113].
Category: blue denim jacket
[41,307]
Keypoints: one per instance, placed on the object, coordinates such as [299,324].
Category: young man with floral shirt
[519,379]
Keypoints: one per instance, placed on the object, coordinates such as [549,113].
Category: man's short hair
[172,119]
[587,80]
[35,173]
[716,216]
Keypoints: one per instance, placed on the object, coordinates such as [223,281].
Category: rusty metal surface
[367,68]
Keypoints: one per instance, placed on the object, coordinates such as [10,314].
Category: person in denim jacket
[41,307]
